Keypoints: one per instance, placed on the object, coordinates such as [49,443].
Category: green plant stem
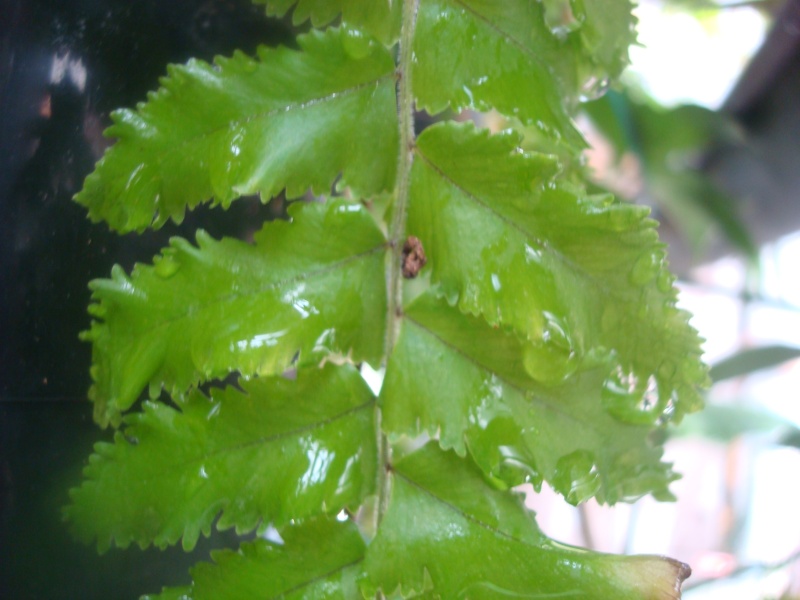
[405,103]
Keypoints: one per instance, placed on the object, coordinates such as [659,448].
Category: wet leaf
[529,60]
[277,450]
[582,279]
[483,54]
[448,532]
[380,18]
[605,28]
[515,428]
[290,119]
[318,559]
[544,343]
[201,312]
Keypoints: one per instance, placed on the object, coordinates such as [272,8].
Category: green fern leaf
[522,58]
[380,18]
[318,559]
[582,279]
[483,54]
[280,450]
[201,312]
[516,429]
[292,120]
[449,533]
[544,343]
[606,28]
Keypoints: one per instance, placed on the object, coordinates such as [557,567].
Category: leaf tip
[654,577]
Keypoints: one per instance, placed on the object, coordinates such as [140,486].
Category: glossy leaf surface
[380,18]
[582,279]
[277,451]
[543,345]
[605,29]
[529,60]
[515,428]
[447,531]
[290,119]
[484,54]
[319,559]
[201,312]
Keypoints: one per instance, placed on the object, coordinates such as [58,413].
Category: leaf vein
[275,437]
[313,580]
[192,309]
[479,201]
[533,397]
[502,33]
[463,513]
[560,256]
[335,95]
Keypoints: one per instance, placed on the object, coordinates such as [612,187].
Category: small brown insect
[413,257]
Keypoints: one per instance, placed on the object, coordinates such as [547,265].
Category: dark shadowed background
[64,65]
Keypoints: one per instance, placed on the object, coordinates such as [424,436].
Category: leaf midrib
[502,33]
[495,530]
[332,96]
[191,310]
[165,470]
[314,580]
[551,251]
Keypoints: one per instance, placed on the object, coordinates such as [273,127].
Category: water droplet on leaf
[559,17]
[490,406]
[468,92]
[356,43]
[515,468]
[532,255]
[326,342]
[631,398]
[553,359]
[262,340]
[576,477]
[593,88]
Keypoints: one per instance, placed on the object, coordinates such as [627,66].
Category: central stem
[394,274]
[405,103]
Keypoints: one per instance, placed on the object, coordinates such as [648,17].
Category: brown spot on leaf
[413,257]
